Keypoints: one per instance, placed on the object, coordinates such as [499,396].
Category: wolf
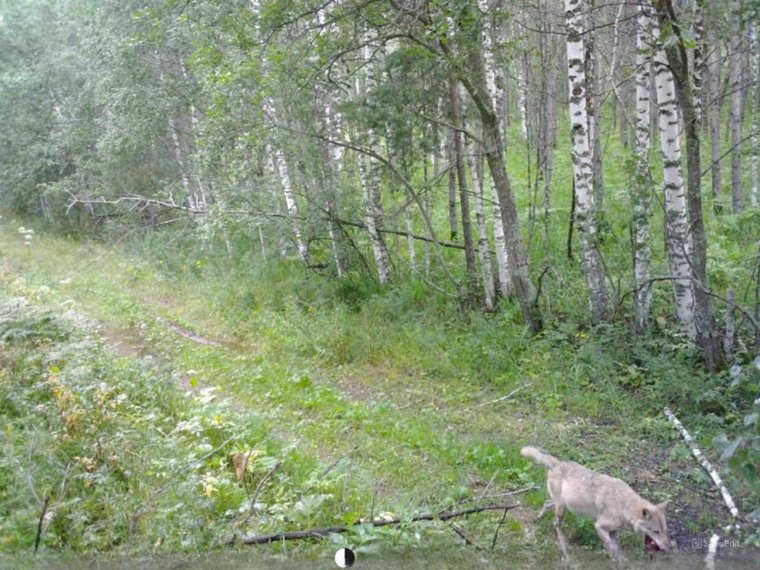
[609,501]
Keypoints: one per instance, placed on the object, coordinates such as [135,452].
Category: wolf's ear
[663,506]
[646,514]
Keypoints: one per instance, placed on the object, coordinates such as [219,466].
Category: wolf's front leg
[609,537]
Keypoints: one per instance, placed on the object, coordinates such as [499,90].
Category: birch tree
[754,98]
[706,335]
[464,202]
[593,110]
[283,171]
[735,109]
[642,182]
[582,168]
[493,34]
[677,237]
[484,253]
[714,84]
[279,161]
[369,168]
[474,80]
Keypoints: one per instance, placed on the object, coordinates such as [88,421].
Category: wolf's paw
[618,563]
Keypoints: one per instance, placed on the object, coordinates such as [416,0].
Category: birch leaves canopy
[329,133]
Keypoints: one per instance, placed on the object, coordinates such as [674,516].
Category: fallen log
[378,522]
[704,462]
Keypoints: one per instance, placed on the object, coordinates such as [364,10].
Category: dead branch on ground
[378,522]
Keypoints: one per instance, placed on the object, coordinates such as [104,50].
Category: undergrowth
[114,454]
[354,400]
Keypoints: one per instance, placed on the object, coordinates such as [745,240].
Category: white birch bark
[754,98]
[452,178]
[271,168]
[464,201]
[279,162]
[714,65]
[593,89]
[332,158]
[522,99]
[281,166]
[370,179]
[496,83]
[179,155]
[697,56]
[197,165]
[582,168]
[642,183]
[735,109]
[497,33]
[493,148]
[484,253]
[677,237]
[705,463]
[548,132]
[712,550]
[263,244]
[410,239]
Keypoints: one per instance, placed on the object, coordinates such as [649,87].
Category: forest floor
[409,422]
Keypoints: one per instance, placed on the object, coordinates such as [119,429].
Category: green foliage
[165,114]
[739,445]
[123,456]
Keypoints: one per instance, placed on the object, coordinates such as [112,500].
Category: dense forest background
[573,183]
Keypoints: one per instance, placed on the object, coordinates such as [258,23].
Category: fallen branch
[379,522]
[704,462]
[498,528]
[188,334]
[41,523]
[501,399]
[712,549]
[253,499]
[335,463]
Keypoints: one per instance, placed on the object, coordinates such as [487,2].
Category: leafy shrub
[124,457]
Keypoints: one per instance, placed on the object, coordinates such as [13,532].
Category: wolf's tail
[540,457]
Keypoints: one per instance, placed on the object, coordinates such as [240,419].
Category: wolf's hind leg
[548,506]
[559,512]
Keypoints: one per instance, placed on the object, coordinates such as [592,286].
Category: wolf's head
[652,523]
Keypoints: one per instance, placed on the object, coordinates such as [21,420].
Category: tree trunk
[593,111]
[707,336]
[464,202]
[369,169]
[496,82]
[281,166]
[452,176]
[410,239]
[582,167]
[642,181]
[714,65]
[754,98]
[522,93]
[697,57]
[332,156]
[489,291]
[735,110]
[548,121]
[475,83]
[677,236]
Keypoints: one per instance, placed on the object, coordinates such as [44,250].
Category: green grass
[372,401]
